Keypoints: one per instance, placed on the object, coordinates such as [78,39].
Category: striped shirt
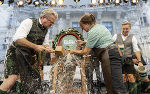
[99,37]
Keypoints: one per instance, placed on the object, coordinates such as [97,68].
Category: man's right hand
[135,61]
[80,42]
[49,50]
[39,48]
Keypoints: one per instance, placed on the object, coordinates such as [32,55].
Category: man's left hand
[71,51]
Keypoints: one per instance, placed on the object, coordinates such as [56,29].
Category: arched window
[108,25]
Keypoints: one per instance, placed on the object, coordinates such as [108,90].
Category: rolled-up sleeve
[115,37]
[135,44]
[23,30]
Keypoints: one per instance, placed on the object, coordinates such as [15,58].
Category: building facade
[108,15]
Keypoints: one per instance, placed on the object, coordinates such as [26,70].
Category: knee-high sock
[146,87]
[3,92]
[132,88]
[126,84]
[139,87]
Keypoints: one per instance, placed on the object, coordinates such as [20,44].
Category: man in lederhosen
[128,45]
[31,37]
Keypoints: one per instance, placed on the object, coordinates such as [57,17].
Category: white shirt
[134,41]
[24,30]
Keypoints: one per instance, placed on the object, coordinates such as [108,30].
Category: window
[144,20]
[10,20]
[76,26]
[141,20]
[108,25]
[5,46]
[7,40]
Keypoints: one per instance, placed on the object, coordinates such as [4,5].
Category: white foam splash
[147,8]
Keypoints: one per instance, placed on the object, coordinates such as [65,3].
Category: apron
[28,69]
[102,54]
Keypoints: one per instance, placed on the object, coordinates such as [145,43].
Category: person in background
[101,42]
[128,45]
[31,37]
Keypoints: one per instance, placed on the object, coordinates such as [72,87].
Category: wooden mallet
[59,51]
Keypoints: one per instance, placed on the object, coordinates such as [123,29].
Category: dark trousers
[112,69]
[116,71]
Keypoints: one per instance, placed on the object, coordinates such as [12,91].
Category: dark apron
[28,69]
[103,56]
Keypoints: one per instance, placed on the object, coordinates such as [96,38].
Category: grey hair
[47,12]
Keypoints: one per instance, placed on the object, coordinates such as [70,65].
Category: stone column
[68,20]
[117,25]
[99,16]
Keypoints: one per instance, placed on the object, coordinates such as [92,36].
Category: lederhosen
[111,68]
[21,60]
[128,65]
